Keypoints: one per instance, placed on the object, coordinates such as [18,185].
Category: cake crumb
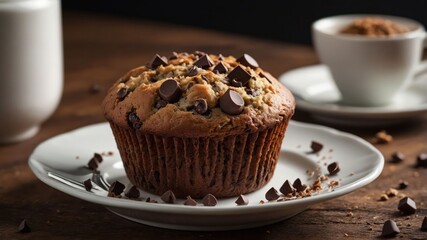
[391,192]
[382,137]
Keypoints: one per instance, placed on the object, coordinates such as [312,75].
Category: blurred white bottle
[31,66]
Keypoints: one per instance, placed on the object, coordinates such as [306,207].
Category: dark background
[288,21]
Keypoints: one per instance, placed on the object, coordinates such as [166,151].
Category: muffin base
[222,166]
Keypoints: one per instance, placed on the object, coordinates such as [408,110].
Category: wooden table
[98,50]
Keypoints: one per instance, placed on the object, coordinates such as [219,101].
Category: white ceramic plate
[68,153]
[317,94]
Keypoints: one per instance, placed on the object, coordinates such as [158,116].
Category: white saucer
[317,94]
[66,154]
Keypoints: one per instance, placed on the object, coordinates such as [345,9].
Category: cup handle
[421,69]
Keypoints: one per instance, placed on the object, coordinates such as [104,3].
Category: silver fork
[98,182]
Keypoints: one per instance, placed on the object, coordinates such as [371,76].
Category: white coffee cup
[31,66]
[368,71]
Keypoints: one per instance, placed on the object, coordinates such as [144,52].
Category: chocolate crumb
[24,227]
[390,229]
[149,200]
[272,194]
[209,200]
[333,168]
[316,147]
[397,157]
[168,197]
[261,201]
[242,200]
[391,192]
[407,206]
[190,201]
[424,224]
[382,137]
[117,188]
[88,185]
[133,193]
[383,197]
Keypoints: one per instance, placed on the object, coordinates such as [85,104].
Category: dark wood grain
[98,50]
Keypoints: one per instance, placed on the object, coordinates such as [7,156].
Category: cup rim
[419,28]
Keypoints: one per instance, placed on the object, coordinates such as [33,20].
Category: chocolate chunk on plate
[209,200]
[403,184]
[242,200]
[422,160]
[287,188]
[298,185]
[424,224]
[272,194]
[88,185]
[390,229]
[190,201]
[316,147]
[333,168]
[94,161]
[397,157]
[133,193]
[117,188]
[168,197]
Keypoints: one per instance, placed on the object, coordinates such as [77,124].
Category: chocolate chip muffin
[199,123]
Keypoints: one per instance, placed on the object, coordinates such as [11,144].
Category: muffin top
[198,95]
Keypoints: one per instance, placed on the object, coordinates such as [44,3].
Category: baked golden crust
[266,101]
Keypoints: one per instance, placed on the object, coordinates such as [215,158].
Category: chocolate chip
[242,200]
[407,205]
[220,57]
[263,75]
[133,193]
[204,62]
[193,71]
[205,78]
[403,184]
[271,194]
[168,197]
[422,160]
[397,157]
[160,104]
[298,185]
[239,74]
[209,200]
[220,68]
[88,185]
[231,102]
[200,106]
[390,229]
[170,91]
[333,168]
[134,121]
[247,61]
[94,161]
[190,202]
[122,93]
[158,61]
[23,227]
[174,55]
[116,188]
[424,224]
[316,147]
[287,188]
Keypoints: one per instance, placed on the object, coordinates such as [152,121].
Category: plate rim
[41,173]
